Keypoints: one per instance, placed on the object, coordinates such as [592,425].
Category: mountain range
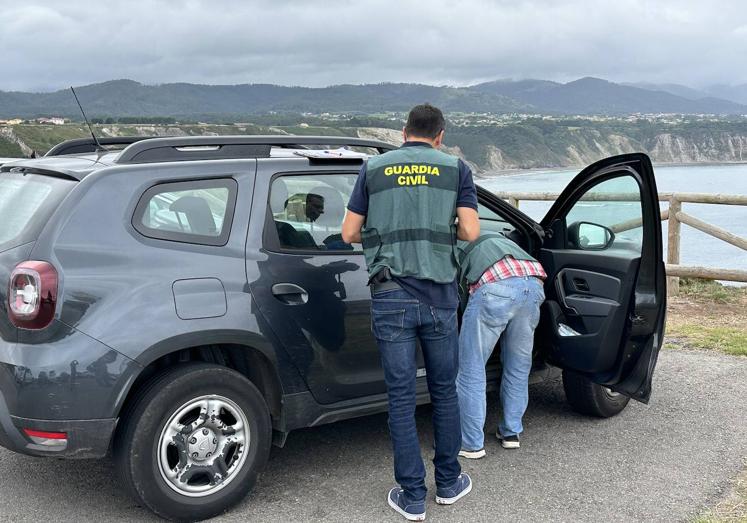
[127,98]
[733,93]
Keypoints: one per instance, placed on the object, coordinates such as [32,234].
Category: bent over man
[403,208]
[505,286]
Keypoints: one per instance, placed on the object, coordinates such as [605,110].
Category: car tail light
[32,295]
[47,439]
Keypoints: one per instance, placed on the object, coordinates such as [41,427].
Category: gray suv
[185,303]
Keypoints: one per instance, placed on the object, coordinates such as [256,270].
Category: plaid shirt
[508,267]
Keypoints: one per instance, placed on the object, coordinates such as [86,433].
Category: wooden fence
[674,216]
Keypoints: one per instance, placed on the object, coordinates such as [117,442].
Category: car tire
[587,397]
[169,467]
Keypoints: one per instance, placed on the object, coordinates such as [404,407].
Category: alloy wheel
[203,446]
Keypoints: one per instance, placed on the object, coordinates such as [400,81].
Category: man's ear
[404,134]
[439,139]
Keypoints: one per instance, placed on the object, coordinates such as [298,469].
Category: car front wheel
[587,397]
[193,443]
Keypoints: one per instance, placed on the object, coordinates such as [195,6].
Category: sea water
[696,247]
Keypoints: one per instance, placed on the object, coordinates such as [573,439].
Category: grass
[728,340]
[709,290]
[731,508]
[710,316]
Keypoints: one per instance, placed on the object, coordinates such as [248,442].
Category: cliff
[490,148]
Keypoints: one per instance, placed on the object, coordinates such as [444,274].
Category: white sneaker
[508,442]
[472,454]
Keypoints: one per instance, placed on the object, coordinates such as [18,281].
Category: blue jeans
[511,305]
[398,321]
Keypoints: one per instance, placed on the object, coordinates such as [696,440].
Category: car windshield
[26,203]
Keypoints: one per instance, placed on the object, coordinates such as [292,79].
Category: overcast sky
[50,45]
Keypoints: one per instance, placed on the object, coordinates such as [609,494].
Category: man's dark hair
[425,121]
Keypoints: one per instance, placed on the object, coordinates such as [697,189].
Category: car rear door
[606,287]
[312,287]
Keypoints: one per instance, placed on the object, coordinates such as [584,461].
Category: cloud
[49,45]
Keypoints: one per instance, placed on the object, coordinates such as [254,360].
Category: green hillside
[511,144]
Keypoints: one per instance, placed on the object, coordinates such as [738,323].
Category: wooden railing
[674,217]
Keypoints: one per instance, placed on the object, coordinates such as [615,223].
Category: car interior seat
[278,197]
[198,213]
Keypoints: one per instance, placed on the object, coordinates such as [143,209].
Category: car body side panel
[116,286]
[116,281]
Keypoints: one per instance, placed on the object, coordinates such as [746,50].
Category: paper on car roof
[331,153]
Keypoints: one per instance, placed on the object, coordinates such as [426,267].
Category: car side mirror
[590,236]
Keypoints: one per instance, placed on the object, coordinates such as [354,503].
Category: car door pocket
[290,293]
[586,305]
[565,331]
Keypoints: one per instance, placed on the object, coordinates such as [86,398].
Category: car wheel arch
[247,360]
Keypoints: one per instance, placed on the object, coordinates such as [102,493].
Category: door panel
[606,291]
[313,287]
[578,318]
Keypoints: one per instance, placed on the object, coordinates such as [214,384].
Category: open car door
[606,287]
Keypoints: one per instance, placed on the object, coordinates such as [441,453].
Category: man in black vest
[403,209]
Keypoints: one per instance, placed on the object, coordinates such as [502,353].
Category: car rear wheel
[193,443]
[586,397]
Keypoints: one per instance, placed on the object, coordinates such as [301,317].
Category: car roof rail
[88,145]
[190,148]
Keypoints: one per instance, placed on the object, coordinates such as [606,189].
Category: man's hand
[468,224]
[351,227]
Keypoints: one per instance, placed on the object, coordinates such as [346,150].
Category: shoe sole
[472,454]
[508,444]
[406,515]
[451,501]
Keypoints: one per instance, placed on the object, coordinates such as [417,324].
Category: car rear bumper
[83,438]
[64,387]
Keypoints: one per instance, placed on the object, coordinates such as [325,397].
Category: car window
[614,206]
[194,212]
[26,203]
[490,221]
[307,211]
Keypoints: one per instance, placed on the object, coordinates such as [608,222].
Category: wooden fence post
[673,244]
[513,201]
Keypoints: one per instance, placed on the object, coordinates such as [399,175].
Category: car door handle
[580,284]
[290,293]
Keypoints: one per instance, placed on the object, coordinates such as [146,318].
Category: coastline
[535,170]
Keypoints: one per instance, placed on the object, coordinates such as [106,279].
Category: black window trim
[270,239]
[182,185]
